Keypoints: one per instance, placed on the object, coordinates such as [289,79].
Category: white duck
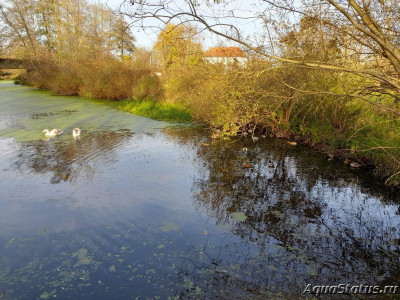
[76,132]
[53,132]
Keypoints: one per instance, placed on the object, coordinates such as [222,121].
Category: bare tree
[21,25]
[66,28]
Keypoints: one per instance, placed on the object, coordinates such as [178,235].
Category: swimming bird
[53,132]
[76,132]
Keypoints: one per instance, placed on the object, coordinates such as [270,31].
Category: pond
[140,209]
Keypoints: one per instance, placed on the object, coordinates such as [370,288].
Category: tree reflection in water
[68,159]
[302,219]
[308,221]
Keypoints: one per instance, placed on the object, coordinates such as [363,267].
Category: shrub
[107,79]
[42,73]
[147,86]
[100,76]
[66,81]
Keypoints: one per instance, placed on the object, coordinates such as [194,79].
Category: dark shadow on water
[307,220]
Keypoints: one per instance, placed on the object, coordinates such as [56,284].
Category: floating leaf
[238,216]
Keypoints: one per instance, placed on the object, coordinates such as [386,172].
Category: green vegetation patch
[155,110]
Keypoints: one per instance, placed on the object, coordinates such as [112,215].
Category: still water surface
[137,209]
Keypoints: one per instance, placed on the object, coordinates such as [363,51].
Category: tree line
[67,28]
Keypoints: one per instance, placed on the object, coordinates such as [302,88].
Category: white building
[226,55]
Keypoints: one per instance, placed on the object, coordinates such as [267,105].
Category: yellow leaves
[176,44]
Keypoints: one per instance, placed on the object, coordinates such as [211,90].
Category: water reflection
[68,159]
[310,224]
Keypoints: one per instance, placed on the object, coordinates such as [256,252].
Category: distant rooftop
[225,52]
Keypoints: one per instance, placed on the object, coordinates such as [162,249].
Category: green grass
[154,110]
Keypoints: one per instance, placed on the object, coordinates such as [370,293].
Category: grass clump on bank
[161,111]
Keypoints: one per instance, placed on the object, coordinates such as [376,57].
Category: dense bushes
[100,77]
[64,81]
[312,106]
[108,79]
[147,86]
[214,94]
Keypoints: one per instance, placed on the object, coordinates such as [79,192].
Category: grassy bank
[155,110]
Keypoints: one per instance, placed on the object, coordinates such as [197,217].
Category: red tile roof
[225,52]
